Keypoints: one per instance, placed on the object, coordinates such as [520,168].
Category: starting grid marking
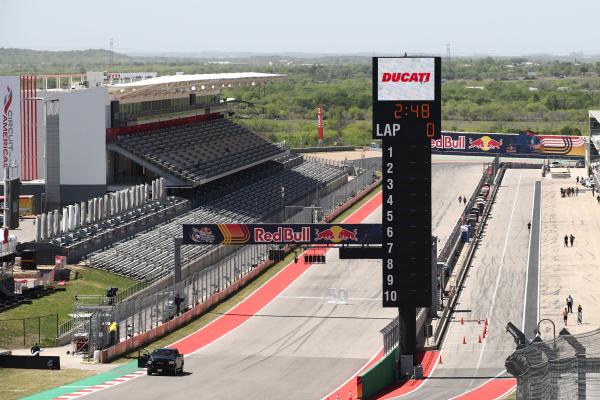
[96,388]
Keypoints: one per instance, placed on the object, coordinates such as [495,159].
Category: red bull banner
[520,144]
[211,234]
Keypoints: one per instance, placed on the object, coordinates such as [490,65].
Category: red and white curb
[96,388]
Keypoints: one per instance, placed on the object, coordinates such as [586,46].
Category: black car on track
[165,361]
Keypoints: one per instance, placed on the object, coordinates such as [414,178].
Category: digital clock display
[406,116]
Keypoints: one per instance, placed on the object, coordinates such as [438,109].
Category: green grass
[17,383]
[303,132]
[89,282]
[541,127]
[236,298]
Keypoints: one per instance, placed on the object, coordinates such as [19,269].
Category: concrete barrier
[380,376]
[30,362]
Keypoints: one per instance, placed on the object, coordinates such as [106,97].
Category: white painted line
[512,213]
[527,264]
[540,251]
[327,298]
[477,387]
[353,375]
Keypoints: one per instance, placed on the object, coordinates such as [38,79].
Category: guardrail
[443,324]
[131,290]
[450,245]
[391,335]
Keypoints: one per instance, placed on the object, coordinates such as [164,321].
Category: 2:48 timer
[415,112]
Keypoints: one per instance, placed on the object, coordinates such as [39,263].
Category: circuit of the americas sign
[10,95]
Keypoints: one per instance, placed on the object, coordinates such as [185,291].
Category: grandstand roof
[202,84]
[232,77]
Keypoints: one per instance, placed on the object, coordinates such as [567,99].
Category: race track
[300,345]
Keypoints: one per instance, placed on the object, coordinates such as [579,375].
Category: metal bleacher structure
[96,223]
[197,153]
[149,256]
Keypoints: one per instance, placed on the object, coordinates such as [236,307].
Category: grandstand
[197,153]
[172,130]
[149,256]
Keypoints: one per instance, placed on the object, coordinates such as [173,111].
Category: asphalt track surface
[495,290]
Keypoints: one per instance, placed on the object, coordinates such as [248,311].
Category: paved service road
[297,347]
[494,289]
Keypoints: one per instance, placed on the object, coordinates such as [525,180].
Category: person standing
[570,303]
[577,191]
[572,239]
[565,316]
[598,198]
[577,179]
[459,200]
[112,333]
[579,315]
[566,241]
[465,200]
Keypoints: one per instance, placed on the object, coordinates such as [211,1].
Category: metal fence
[339,196]
[567,367]
[391,336]
[25,332]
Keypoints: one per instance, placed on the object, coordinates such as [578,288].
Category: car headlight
[171,362]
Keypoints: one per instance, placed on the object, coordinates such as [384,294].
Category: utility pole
[110,56]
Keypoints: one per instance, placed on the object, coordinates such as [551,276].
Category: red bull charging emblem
[336,234]
[485,143]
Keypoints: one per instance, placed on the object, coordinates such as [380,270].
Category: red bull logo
[336,234]
[282,235]
[446,142]
[485,143]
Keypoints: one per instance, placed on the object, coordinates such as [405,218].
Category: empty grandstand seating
[149,256]
[199,152]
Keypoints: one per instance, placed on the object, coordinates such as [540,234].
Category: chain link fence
[567,367]
[25,332]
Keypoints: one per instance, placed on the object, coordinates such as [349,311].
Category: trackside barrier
[443,323]
[378,377]
[142,339]
[338,211]
[453,241]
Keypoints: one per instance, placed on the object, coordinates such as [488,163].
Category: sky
[501,27]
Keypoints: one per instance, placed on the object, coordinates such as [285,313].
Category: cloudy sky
[501,27]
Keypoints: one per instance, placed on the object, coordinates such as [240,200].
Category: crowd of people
[569,192]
